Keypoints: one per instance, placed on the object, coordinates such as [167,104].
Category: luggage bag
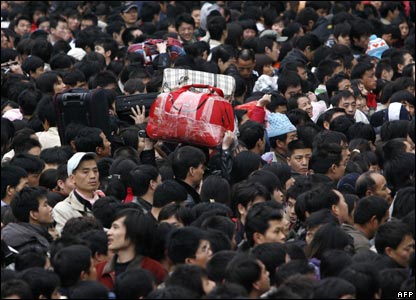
[192,117]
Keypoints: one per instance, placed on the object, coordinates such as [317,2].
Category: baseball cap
[273,35]
[127,7]
[74,161]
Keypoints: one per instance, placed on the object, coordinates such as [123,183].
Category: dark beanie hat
[169,191]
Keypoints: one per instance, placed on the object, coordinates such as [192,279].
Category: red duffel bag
[191,117]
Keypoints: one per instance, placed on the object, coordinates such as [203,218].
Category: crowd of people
[311,196]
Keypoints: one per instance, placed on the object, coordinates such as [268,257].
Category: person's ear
[84,276]
[257,238]
[33,215]
[368,193]
[326,125]
[389,251]
[241,209]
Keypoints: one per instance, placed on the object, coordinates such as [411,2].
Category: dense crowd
[312,195]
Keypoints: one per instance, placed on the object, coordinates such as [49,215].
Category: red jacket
[106,274]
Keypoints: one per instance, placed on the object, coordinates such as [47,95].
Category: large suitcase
[125,103]
[176,78]
[191,117]
[87,107]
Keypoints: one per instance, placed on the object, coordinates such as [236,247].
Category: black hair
[134,283]
[11,176]
[16,287]
[246,192]
[245,162]
[41,281]
[333,262]
[183,243]
[88,139]
[88,289]
[169,191]
[390,234]
[31,163]
[216,188]
[368,207]
[404,202]
[185,158]
[324,157]
[364,277]
[272,255]
[80,224]
[333,288]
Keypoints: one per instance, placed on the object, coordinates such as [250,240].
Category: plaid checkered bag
[176,78]
[149,49]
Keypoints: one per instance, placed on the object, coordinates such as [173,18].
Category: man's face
[73,23]
[274,52]
[24,182]
[130,17]
[369,80]
[304,103]
[196,15]
[276,232]
[249,34]
[198,173]
[349,104]
[61,32]
[381,189]
[106,150]
[402,253]
[23,27]
[292,90]
[342,208]
[299,160]
[85,177]
[245,67]
[202,254]
[117,236]
[264,281]
[290,210]
[362,41]
[86,23]
[186,31]
[44,213]
[291,136]
[303,73]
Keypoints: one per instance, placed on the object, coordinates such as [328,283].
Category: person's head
[92,139]
[281,132]
[143,179]
[33,66]
[249,272]
[365,72]
[134,283]
[264,225]
[327,237]
[188,245]
[395,240]
[289,84]
[74,264]
[188,164]
[372,183]
[169,191]
[192,277]
[83,171]
[345,99]
[16,289]
[88,289]
[299,154]
[22,25]
[245,194]
[328,160]
[270,47]
[131,230]
[269,181]
[302,102]
[334,288]
[13,180]
[129,13]
[43,283]
[217,28]
[404,202]
[252,135]
[246,61]
[264,65]
[370,213]
[216,188]
[30,206]
[185,26]
[32,164]
[59,29]
[50,83]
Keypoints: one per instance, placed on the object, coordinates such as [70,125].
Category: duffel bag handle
[201,86]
